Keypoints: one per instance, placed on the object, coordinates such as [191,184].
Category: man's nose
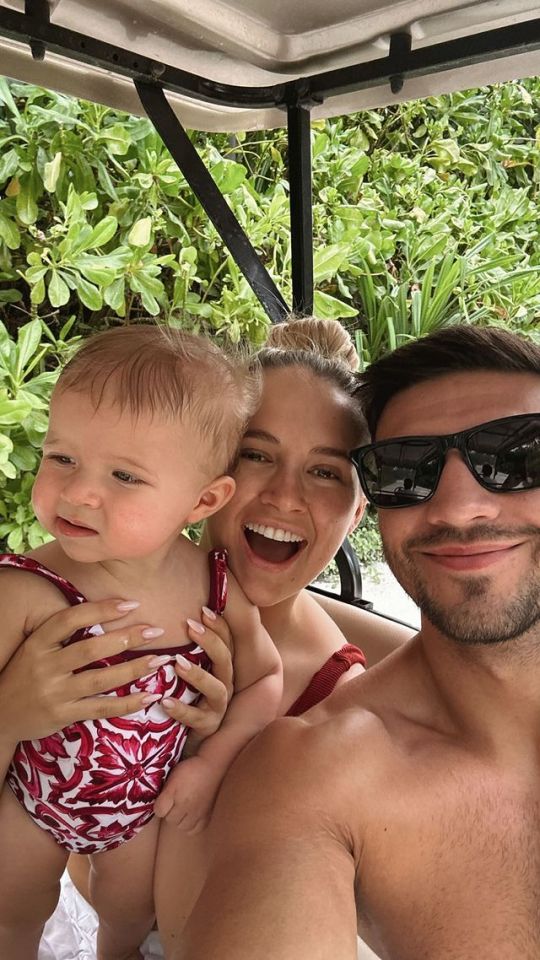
[459,499]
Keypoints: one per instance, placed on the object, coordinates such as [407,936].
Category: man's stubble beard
[477,618]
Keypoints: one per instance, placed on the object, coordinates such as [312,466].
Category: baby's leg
[30,870]
[121,892]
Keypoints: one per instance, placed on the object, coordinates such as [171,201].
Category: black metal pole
[205,189]
[299,132]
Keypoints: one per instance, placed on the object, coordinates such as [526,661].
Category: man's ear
[212,498]
[358,514]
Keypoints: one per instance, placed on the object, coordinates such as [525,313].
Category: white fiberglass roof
[261,43]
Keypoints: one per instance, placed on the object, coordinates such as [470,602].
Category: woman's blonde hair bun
[327,338]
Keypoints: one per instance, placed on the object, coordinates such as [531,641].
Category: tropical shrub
[424,214]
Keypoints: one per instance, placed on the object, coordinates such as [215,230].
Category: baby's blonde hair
[163,371]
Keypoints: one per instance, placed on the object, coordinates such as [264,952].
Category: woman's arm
[39,690]
[375,635]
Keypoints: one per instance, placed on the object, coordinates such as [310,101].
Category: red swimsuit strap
[70,592]
[323,682]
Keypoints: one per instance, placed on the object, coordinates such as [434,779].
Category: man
[409,802]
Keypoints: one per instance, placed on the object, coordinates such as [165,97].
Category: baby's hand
[189,794]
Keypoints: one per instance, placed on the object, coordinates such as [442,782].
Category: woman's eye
[125,477]
[255,455]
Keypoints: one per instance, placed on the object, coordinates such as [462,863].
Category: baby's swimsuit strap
[71,594]
[217,562]
[323,682]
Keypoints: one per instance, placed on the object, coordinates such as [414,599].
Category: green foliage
[25,388]
[425,213]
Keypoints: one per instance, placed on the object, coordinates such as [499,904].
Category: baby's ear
[212,498]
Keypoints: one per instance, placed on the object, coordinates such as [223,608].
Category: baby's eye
[125,477]
[59,458]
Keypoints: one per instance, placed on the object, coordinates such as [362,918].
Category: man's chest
[451,868]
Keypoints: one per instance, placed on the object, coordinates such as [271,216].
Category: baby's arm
[192,787]
[19,594]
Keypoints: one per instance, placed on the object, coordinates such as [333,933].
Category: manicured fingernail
[209,613]
[168,703]
[196,626]
[149,633]
[150,698]
[159,661]
[183,662]
[127,605]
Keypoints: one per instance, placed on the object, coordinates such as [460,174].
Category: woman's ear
[358,514]
[212,498]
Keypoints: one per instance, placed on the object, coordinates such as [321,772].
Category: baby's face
[112,485]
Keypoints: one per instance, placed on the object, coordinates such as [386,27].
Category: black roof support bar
[299,137]
[465,51]
[207,192]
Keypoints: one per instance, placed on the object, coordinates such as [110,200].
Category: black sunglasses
[503,455]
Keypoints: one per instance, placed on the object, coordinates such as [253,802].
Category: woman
[297,498]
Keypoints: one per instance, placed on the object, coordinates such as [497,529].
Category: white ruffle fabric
[70,934]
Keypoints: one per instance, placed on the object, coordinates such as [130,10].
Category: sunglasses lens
[400,473]
[506,455]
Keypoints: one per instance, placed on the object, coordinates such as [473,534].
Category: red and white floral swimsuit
[93,784]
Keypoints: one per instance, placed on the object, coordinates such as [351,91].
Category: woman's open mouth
[273,544]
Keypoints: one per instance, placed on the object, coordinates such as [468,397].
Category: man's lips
[69,528]
[471,556]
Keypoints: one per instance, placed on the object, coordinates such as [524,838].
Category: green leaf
[26,206]
[326,262]
[102,232]
[9,163]
[115,297]
[141,232]
[6,97]
[51,172]
[28,341]
[89,294]
[58,290]
[330,308]
[9,233]
[14,411]
[15,539]
[228,175]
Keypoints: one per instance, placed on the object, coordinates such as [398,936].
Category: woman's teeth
[273,533]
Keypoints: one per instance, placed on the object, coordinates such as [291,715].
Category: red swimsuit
[93,784]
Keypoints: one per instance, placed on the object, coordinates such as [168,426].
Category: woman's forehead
[296,401]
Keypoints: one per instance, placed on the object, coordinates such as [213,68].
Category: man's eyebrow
[332,452]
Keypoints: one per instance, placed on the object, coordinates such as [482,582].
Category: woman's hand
[214,636]
[39,691]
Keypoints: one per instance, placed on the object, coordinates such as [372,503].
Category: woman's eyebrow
[260,435]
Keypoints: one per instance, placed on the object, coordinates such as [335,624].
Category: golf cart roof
[200,51]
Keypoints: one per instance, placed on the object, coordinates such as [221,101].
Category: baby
[144,426]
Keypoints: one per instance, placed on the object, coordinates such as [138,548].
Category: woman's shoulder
[374,634]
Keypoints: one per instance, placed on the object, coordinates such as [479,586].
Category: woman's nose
[284,491]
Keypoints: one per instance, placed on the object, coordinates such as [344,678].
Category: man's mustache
[477,534]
